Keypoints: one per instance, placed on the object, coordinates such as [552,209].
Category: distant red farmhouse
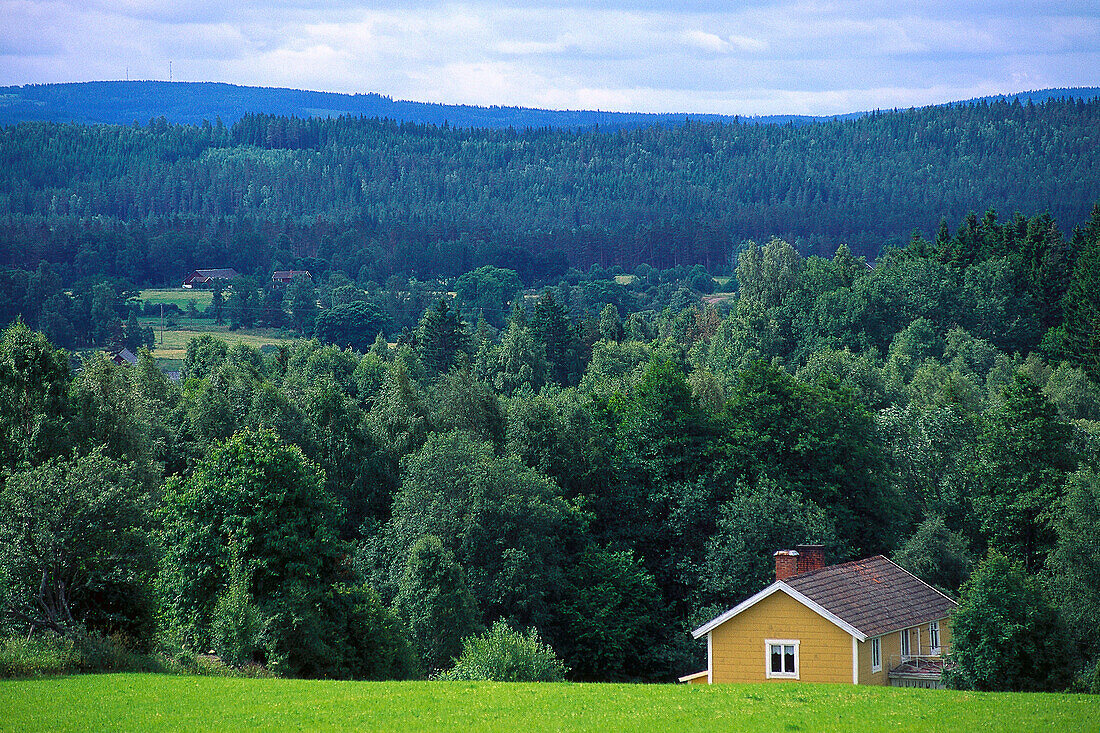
[199,278]
[283,277]
[125,357]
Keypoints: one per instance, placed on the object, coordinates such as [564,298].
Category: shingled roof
[224,273]
[874,595]
[866,598]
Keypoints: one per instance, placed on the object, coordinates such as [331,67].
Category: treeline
[374,198]
[104,312]
[609,481]
[120,103]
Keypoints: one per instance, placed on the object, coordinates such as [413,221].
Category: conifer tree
[440,336]
[550,326]
[1081,336]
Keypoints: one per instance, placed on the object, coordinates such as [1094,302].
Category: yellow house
[868,622]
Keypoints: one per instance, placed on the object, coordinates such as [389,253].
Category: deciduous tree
[1005,635]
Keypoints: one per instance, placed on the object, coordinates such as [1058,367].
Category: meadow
[179,297]
[171,346]
[145,702]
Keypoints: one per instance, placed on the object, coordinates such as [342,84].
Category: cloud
[746,43]
[705,41]
[755,57]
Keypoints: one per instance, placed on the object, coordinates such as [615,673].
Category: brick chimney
[786,564]
[810,557]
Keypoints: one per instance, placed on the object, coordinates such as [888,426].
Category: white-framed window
[876,655]
[934,636]
[781,658]
[905,651]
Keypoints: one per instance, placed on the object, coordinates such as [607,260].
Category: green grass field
[173,348]
[136,702]
[178,296]
[175,340]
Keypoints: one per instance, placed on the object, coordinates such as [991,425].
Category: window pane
[777,658]
[788,659]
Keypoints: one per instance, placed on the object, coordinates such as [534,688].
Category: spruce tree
[440,336]
[1081,336]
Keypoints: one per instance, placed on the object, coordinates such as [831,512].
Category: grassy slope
[174,345]
[178,297]
[153,702]
[175,340]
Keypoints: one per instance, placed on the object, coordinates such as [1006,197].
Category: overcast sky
[748,57]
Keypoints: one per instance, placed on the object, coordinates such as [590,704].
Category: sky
[754,57]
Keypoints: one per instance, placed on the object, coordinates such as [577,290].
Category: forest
[572,385]
[373,198]
[608,461]
[189,103]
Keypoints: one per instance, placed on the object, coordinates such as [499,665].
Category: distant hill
[1039,96]
[126,102]
[382,197]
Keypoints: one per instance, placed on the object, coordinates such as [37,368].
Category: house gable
[847,622]
[780,587]
[739,648]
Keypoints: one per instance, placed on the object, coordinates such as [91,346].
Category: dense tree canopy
[373,198]
[75,551]
[1005,633]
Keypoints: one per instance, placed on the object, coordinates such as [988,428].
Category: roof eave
[778,586]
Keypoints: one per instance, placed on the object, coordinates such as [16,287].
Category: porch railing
[916,663]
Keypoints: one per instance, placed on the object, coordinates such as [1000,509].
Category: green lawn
[173,348]
[179,296]
[124,702]
[175,340]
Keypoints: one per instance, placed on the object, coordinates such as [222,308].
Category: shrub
[1087,680]
[505,655]
[1006,635]
[50,653]
[238,625]
[435,603]
[374,646]
[23,657]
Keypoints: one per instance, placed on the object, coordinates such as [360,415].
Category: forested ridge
[120,103]
[374,198]
[609,463]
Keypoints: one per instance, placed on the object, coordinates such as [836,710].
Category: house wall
[919,637]
[945,635]
[891,651]
[737,646]
[889,646]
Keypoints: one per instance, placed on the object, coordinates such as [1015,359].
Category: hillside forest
[606,454]
[373,198]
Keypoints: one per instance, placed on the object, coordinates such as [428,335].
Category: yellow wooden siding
[737,646]
[945,635]
[915,638]
[890,646]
